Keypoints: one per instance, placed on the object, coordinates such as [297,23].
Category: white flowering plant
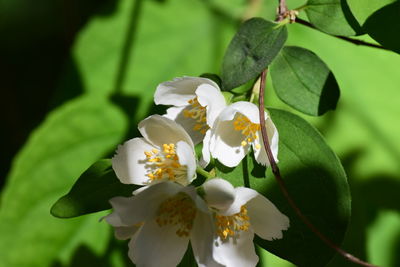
[218,178]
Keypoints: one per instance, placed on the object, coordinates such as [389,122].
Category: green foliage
[362,9]
[70,139]
[251,50]
[92,191]
[384,26]
[328,16]
[303,81]
[315,179]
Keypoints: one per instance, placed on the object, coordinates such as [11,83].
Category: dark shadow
[329,95]
[34,54]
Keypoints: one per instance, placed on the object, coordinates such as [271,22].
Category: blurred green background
[77,76]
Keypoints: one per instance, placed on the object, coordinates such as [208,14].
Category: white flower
[160,220]
[165,152]
[238,214]
[238,128]
[196,103]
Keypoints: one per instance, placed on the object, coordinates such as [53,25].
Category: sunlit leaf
[251,50]
[302,80]
[328,16]
[70,139]
[92,192]
[315,179]
[362,9]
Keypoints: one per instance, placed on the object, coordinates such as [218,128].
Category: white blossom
[238,214]
[165,152]
[159,221]
[236,129]
[195,101]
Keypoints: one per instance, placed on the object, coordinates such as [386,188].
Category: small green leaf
[92,191]
[303,81]
[251,50]
[328,16]
[384,26]
[316,181]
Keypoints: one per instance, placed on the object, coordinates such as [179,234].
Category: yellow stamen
[248,129]
[230,226]
[198,113]
[164,164]
[178,210]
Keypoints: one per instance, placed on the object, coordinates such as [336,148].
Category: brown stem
[282,10]
[351,40]
[282,185]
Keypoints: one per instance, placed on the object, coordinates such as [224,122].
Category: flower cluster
[166,213]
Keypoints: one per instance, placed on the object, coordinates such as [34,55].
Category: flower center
[198,113]
[164,165]
[178,210]
[248,129]
[230,226]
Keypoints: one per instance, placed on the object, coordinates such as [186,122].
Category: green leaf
[92,191]
[316,181]
[362,9]
[328,16]
[68,141]
[251,50]
[303,81]
[384,26]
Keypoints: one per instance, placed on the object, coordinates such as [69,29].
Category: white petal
[273,139]
[236,252]
[159,130]
[266,220]
[248,109]
[219,193]
[129,162]
[144,205]
[156,246]
[125,232]
[176,114]
[186,158]
[225,144]
[205,151]
[211,98]
[202,239]
[179,91]
[242,196]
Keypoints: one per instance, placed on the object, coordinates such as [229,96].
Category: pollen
[198,113]
[248,129]
[231,226]
[178,210]
[164,164]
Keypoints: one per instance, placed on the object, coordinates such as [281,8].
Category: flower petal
[273,139]
[156,246]
[266,220]
[125,232]
[186,158]
[176,114]
[242,196]
[159,130]
[179,91]
[129,162]
[225,144]
[205,151]
[211,98]
[236,252]
[144,205]
[202,239]
[219,193]
[248,109]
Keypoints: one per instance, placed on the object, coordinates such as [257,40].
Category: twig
[282,185]
[351,40]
